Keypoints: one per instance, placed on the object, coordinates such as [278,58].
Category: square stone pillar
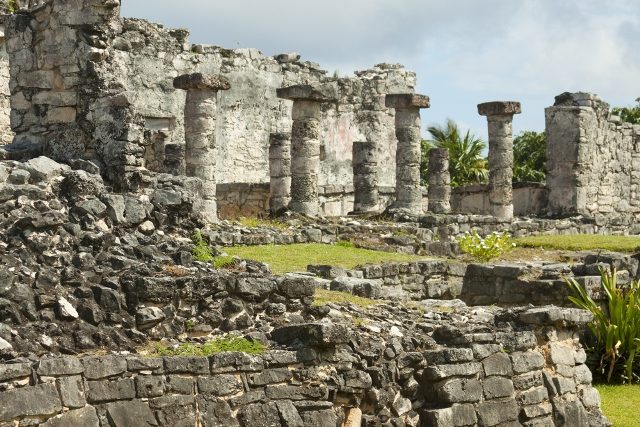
[200,134]
[279,171]
[408,124]
[439,181]
[305,144]
[500,118]
[365,177]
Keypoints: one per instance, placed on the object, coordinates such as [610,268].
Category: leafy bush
[466,162]
[487,248]
[201,250]
[530,157]
[219,345]
[629,114]
[616,327]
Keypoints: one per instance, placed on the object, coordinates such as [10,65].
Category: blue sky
[463,51]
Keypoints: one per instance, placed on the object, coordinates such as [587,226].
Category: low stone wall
[252,199]
[530,371]
[528,199]
[501,284]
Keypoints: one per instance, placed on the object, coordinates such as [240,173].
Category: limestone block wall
[247,199]
[524,367]
[593,159]
[250,111]
[528,199]
[103,91]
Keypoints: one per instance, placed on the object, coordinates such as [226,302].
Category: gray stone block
[494,412]
[458,390]
[215,412]
[85,417]
[39,400]
[497,364]
[104,391]
[10,371]
[134,413]
[527,361]
[220,385]
[186,365]
[270,376]
[149,385]
[103,367]
[496,387]
[72,391]
[60,366]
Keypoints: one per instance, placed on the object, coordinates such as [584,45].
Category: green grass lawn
[621,404]
[287,258]
[581,242]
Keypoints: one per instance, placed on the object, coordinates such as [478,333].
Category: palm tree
[466,164]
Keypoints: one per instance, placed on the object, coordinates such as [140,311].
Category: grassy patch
[323,297]
[621,404]
[581,242]
[254,222]
[207,349]
[287,258]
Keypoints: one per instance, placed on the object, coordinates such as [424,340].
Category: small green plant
[12,6]
[616,329]
[223,262]
[485,248]
[219,345]
[345,244]
[201,250]
[190,324]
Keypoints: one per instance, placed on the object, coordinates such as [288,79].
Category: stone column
[408,190]
[365,177]
[279,171]
[200,133]
[500,118]
[305,145]
[439,181]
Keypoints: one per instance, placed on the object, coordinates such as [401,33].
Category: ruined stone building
[85,83]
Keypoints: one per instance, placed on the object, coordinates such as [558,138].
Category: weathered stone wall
[6,134]
[529,369]
[250,111]
[103,91]
[246,199]
[529,199]
[593,163]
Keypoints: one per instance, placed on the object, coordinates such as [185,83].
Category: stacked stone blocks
[200,116]
[408,153]
[365,177]
[500,118]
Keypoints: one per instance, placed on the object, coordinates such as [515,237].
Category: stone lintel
[406,100]
[306,93]
[499,108]
[199,81]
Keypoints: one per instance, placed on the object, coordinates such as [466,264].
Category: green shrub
[615,327]
[219,345]
[201,250]
[223,262]
[487,248]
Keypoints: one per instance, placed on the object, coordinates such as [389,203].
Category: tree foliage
[629,114]
[466,163]
[530,157]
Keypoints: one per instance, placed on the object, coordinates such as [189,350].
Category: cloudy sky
[464,51]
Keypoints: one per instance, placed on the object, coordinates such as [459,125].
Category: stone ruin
[121,138]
